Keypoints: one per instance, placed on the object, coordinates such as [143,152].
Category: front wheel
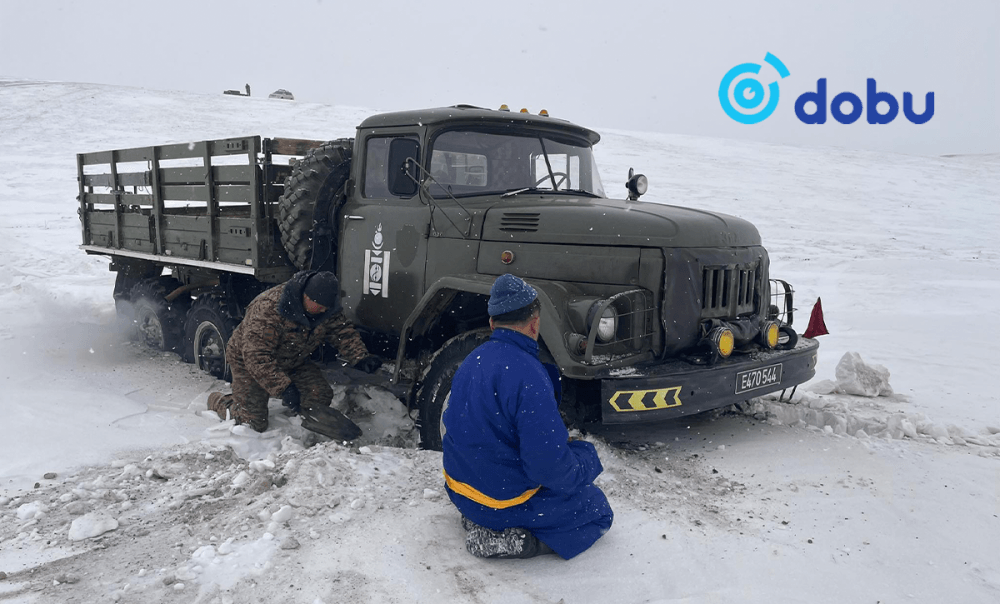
[210,323]
[435,390]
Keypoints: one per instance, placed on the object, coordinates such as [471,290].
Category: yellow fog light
[769,334]
[723,340]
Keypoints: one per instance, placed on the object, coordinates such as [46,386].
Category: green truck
[650,311]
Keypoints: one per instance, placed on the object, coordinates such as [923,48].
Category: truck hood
[581,220]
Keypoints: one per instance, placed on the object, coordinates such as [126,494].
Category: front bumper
[677,388]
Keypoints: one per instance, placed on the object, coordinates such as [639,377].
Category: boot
[513,542]
[220,403]
[330,422]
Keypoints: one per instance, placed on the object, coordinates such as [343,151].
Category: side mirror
[637,185]
[402,168]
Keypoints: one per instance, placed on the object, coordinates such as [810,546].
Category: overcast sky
[643,65]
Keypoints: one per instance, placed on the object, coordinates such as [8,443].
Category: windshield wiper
[578,192]
[513,192]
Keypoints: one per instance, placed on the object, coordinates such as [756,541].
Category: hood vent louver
[519,222]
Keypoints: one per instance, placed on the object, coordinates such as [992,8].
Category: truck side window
[376,185]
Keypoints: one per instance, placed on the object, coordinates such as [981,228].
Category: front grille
[519,222]
[729,291]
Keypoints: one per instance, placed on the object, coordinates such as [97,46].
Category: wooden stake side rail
[189,202]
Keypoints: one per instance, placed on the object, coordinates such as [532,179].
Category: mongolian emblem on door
[377,267]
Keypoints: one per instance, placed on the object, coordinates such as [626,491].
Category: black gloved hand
[369,364]
[291,398]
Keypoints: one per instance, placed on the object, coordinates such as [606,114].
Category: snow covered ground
[115,487]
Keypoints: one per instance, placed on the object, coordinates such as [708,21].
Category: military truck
[650,311]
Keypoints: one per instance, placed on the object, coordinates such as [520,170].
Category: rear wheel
[297,205]
[124,312]
[434,393]
[159,323]
[210,323]
[127,277]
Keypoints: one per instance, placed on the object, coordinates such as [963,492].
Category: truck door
[383,243]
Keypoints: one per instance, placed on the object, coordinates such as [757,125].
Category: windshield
[482,162]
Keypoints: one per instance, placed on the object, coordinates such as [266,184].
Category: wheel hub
[209,349]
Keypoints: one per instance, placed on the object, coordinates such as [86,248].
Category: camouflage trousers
[248,402]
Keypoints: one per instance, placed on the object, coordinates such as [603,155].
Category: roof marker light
[504,107]
[524,109]
[543,113]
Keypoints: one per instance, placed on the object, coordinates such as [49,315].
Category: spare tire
[315,183]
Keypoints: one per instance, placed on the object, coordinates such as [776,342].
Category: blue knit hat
[509,293]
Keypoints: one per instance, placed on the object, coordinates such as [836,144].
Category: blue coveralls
[504,438]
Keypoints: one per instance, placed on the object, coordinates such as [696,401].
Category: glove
[369,364]
[291,398]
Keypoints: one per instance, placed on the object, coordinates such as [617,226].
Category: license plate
[754,379]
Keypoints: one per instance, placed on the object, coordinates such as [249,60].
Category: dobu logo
[749,93]
[873,98]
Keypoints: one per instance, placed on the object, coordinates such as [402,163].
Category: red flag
[816,325]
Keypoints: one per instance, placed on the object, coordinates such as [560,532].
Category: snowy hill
[832,498]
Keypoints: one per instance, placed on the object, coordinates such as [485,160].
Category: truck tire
[435,389]
[297,204]
[209,325]
[159,324]
[124,313]
[126,278]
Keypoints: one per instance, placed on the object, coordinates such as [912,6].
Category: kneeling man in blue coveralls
[522,486]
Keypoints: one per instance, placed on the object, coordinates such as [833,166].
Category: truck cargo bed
[209,203]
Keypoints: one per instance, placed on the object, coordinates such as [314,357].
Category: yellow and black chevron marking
[646,400]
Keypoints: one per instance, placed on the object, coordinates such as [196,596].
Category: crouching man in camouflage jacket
[269,351]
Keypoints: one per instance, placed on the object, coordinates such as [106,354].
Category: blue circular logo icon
[749,93]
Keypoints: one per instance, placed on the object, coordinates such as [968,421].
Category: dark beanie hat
[323,288]
[510,293]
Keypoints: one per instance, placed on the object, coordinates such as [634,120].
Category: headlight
[607,327]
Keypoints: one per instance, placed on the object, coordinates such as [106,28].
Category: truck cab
[656,311]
